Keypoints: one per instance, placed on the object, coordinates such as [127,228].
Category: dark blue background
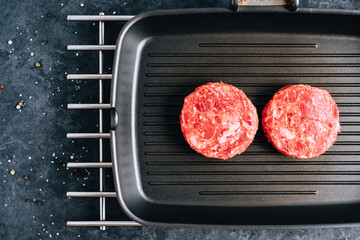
[33,143]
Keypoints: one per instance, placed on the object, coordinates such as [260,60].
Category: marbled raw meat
[301,121]
[218,120]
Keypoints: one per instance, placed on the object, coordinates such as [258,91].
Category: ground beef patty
[301,121]
[218,120]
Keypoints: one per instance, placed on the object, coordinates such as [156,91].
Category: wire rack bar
[88,106]
[89,76]
[99,17]
[89,165]
[88,135]
[101,145]
[103,223]
[91,47]
[91,194]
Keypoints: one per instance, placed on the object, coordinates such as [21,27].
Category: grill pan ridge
[162,56]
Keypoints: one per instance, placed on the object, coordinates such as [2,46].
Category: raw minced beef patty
[218,120]
[301,121]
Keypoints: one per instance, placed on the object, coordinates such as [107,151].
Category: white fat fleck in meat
[278,112]
[197,143]
[224,137]
[274,114]
[193,140]
[249,134]
[220,92]
[245,124]
[311,139]
[231,132]
[234,126]
[287,134]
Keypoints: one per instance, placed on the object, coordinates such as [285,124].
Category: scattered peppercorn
[12,172]
[39,203]
[2,225]
[45,41]
[28,200]
[37,65]
[71,174]
[49,15]
[26,177]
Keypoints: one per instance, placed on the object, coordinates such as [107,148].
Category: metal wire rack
[102,195]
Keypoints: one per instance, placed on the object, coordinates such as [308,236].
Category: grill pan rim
[115,83]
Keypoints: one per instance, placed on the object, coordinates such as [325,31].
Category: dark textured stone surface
[33,140]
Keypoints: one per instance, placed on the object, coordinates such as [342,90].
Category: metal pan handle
[114,120]
[292,5]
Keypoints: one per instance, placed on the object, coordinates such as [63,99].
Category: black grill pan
[162,56]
